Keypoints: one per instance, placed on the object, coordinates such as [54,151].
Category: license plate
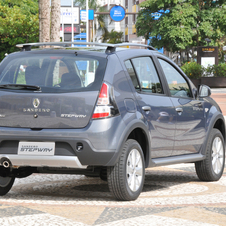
[36,148]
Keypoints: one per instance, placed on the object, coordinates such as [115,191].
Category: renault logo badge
[36,102]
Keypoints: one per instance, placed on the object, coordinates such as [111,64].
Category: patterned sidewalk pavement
[171,196]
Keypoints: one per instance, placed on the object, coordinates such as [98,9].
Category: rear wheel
[211,168]
[126,178]
[6,184]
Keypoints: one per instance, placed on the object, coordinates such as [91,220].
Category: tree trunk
[44,23]
[55,21]
[40,20]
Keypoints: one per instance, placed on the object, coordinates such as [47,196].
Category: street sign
[83,15]
[68,28]
[207,55]
[66,15]
[117,13]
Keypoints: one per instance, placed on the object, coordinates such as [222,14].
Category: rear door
[157,108]
[190,126]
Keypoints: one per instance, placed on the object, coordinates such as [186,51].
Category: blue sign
[117,13]
[83,15]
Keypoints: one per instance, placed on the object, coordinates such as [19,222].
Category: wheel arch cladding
[140,136]
[220,125]
[217,122]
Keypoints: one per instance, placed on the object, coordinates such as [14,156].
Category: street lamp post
[72,23]
[87,21]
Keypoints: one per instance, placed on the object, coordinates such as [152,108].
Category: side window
[178,86]
[147,75]
[132,74]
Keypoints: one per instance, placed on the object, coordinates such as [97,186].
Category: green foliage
[19,23]
[193,69]
[217,70]
[114,37]
[186,24]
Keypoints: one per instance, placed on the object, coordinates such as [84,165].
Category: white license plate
[36,148]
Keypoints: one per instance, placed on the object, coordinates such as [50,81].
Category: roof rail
[110,47]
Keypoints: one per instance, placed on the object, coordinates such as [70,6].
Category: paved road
[219,95]
[171,196]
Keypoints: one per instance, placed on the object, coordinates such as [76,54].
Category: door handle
[179,110]
[146,108]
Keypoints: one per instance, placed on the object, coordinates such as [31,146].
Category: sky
[66,2]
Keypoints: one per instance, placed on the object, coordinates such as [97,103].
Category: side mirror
[204,91]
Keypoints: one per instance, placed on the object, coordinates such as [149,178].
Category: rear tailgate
[42,110]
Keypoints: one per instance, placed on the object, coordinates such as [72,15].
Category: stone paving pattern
[172,195]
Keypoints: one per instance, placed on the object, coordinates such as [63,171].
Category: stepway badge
[36,148]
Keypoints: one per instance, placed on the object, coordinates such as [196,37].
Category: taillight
[105,106]
[103,95]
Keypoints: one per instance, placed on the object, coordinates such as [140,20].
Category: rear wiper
[20,86]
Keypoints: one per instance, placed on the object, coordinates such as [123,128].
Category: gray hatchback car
[106,111]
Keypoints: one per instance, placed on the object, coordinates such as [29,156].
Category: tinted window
[55,73]
[147,75]
[178,86]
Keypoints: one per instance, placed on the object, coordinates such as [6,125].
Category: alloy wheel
[134,170]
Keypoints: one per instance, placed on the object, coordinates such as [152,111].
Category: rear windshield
[54,73]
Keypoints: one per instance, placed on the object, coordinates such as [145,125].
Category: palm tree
[55,21]
[44,19]
[114,37]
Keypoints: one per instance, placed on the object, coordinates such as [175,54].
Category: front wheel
[126,178]
[212,167]
[6,184]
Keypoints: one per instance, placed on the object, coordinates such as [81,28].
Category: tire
[212,167]
[6,184]
[126,178]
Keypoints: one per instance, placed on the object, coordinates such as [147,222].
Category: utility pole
[72,22]
[87,21]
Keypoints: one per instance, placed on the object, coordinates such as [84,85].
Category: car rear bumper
[74,148]
[42,161]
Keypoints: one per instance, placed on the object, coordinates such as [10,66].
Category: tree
[183,23]
[114,37]
[18,24]
[55,21]
[44,20]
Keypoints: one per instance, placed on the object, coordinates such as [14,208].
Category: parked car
[109,113]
